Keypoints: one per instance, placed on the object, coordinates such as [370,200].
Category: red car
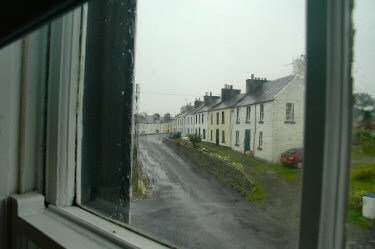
[293,157]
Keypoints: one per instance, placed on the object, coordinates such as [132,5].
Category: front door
[217,136]
[247,140]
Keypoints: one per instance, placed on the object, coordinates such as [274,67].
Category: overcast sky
[185,48]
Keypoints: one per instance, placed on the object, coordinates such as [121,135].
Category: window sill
[237,145]
[247,122]
[261,122]
[70,227]
[259,148]
[289,122]
[238,123]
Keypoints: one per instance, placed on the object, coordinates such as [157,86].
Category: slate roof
[195,109]
[208,107]
[228,103]
[267,93]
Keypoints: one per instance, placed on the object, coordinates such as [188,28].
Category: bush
[195,139]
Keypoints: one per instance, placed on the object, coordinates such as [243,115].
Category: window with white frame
[260,140]
[237,138]
[238,115]
[261,113]
[248,112]
[289,116]
[101,191]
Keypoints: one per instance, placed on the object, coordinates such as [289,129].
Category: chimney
[254,84]
[197,102]
[228,93]
[210,93]
[209,99]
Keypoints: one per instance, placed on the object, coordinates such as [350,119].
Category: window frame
[237,115]
[289,115]
[223,136]
[260,140]
[248,113]
[237,138]
[327,126]
[261,113]
[222,117]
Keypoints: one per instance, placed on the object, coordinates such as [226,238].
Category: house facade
[269,120]
[203,116]
[219,125]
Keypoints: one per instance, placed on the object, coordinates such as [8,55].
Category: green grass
[285,172]
[362,181]
[259,195]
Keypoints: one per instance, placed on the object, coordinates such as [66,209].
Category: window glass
[361,200]
[228,192]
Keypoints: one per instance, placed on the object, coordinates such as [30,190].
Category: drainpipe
[255,130]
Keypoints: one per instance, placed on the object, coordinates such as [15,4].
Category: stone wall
[226,172]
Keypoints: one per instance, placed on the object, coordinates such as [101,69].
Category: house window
[223,137]
[204,133]
[261,113]
[199,131]
[260,141]
[199,119]
[289,115]
[202,117]
[212,118]
[217,118]
[211,135]
[248,111]
[222,117]
[196,131]
[196,119]
[237,138]
[238,115]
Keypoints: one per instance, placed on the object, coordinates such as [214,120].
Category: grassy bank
[362,181]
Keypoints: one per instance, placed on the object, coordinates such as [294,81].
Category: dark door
[247,140]
[217,136]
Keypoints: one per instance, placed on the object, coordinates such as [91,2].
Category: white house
[191,119]
[202,115]
[270,119]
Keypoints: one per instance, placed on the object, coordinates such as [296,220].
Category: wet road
[192,209]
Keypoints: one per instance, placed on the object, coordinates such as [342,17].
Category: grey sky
[185,48]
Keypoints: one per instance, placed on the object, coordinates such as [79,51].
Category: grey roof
[208,107]
[195,109]
[267,93]
[228,103]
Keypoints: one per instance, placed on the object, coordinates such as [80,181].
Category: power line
[171,94]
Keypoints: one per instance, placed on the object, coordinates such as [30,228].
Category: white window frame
[327,143]
[289,112]
[248,113]
[237,115]
[261,113]
[260,140]
[237,138]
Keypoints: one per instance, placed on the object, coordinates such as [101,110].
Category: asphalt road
[192,209]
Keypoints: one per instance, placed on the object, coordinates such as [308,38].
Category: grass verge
[362,181]
[285,172]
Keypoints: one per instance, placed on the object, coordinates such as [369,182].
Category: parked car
[175,135]
[293,158]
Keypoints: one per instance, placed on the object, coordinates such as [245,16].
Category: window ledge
[247,122]
[237,145]
[261,122]
[259,148]
[70,227]
[237,122]
[289,122]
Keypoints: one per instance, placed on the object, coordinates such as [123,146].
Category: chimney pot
[252,76]
[210,93]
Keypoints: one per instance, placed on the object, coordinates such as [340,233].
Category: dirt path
[283,196]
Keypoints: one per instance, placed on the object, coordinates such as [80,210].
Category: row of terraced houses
[265,121]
